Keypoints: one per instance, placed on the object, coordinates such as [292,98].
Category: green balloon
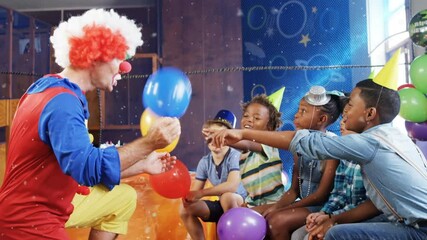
[413,105]
[418,73]
[418,28]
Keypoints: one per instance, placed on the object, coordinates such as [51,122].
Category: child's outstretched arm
[243,145]
[247,146]
[274,139]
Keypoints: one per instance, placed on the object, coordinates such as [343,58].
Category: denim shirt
[311,173]
[399,183]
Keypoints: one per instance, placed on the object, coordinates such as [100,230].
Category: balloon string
[262,68]
[228,69]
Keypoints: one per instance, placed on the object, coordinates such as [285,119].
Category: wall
[24,50]
[203,35]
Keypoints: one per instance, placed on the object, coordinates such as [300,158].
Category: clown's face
[105,75]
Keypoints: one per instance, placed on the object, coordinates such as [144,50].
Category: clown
[50,152]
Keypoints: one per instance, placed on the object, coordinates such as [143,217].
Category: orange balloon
[147,119]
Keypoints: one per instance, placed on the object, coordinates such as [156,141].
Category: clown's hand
[155,163]
[164,131]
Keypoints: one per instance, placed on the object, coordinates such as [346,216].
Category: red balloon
[174,183]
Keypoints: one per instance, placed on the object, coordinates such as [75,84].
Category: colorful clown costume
[49,155]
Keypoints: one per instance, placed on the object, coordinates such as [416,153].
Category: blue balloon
[167,92]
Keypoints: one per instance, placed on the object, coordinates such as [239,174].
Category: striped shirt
[261,176]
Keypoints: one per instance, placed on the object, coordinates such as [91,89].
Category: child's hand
[311,222]
[323,224]
[220,138]
[185,202]
[193,196]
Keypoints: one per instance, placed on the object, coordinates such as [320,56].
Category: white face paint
[117,76]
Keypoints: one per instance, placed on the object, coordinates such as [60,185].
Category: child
[221,168]
[348,192]
[393,168]
[312,180]
[260,165]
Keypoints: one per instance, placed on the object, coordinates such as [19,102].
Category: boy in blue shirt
[221,167]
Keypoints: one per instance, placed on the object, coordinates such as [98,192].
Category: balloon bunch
[413,96]
[167,93]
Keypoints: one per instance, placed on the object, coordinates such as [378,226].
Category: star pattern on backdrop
[305,39]
[314,9]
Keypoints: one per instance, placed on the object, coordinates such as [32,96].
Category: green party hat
[276,98]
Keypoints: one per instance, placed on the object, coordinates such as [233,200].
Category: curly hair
[97,35]
[275,118]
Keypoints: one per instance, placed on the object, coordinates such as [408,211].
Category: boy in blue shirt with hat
[221,167]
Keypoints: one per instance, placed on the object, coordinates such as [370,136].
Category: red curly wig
[98,44]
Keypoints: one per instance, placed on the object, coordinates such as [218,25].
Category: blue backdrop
[300,34]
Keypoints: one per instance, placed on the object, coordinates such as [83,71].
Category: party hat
[388,75]
[371,75]
[276,98]
[226,117]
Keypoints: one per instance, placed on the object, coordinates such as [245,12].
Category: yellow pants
[104,210]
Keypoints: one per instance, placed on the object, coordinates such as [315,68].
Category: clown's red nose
[125,67]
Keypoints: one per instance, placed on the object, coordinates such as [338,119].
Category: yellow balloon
[147,119]
[169,148]
[91,137]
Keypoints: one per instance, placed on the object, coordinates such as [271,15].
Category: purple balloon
[423,146]
[409,126]
[241,224]
[419,131]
